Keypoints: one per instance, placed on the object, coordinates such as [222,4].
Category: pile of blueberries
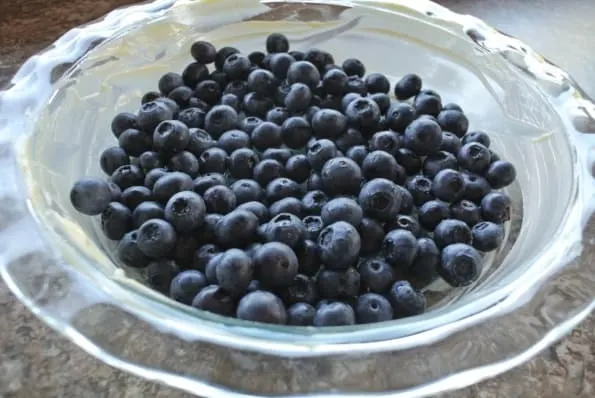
[282,188]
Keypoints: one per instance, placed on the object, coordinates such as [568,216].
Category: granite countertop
[36,362]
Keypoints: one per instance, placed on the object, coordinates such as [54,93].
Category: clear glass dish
[53,122]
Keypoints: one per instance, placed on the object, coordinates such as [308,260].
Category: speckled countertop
[36,362]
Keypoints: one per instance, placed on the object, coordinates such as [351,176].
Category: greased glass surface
[100,307]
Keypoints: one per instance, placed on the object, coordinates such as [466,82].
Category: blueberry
[487,236]
[407,203]
[213,160]
[160,273]
[199,141]
[334,284]
[186,285]
[451,231]
[348,99]
[262,82]
[408,86]
[432,213]
[448,185]
[301,290]
[116,221]
[204,182]
[219,77]
[341,175]
[452,107]
[219,199]
[334,82]
[112,158]
[183,253]
[298,98]
[376,275]
[280,64]
[281,155]
[171,136]
[314,201]
[285,228]
[220,119]
[203,52]
[407,223]
[409,160]
[423,136]
[309,258]
[349,139]
[257,58]
[356,84]
[185,211]
[242,162]
[208,91]
[342,209]
[135,195]
[496,207]
[301,314]
[277,43]
[170,184]
[426,104]
[500,174]
[202,256]
[257,208]
[231,100]
[380,199]
[371,235]
[171,105]
[266,135]
[358,154]
[474,157]
[147,97]
[383,101]
[319,152]
[146,211]
[234,272]
[339,245]
[206,233]
[150,160]
[276,264]
[194,73]
[453,121]
[90,195]
[296,132]
[237,88]
[169,81]
[314,183]
[334,314]
[314,225]
[303,72]
[399,248]
[420,188]
[476,187]
[466,211]
[152,176]
[287,205]
[156,238]
[216,300]
[399,116]
[353,66]
[319,58]
[262,306]
[185,162]
[372,307]
[298,168]
[425,264]
[129,253]
[268,170]
[255,104]
[362,113]
[281,188]
[460,264]
[277,115]
[211,267]
[329,123]
[134,142]
[181,96]
[232,140]
[405,300]
[386,141]
[122,122]
[237,66]
[450,143]
[476,136]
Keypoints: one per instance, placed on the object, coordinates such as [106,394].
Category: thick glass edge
[579,116]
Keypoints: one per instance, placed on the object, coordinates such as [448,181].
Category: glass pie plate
[54,122]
